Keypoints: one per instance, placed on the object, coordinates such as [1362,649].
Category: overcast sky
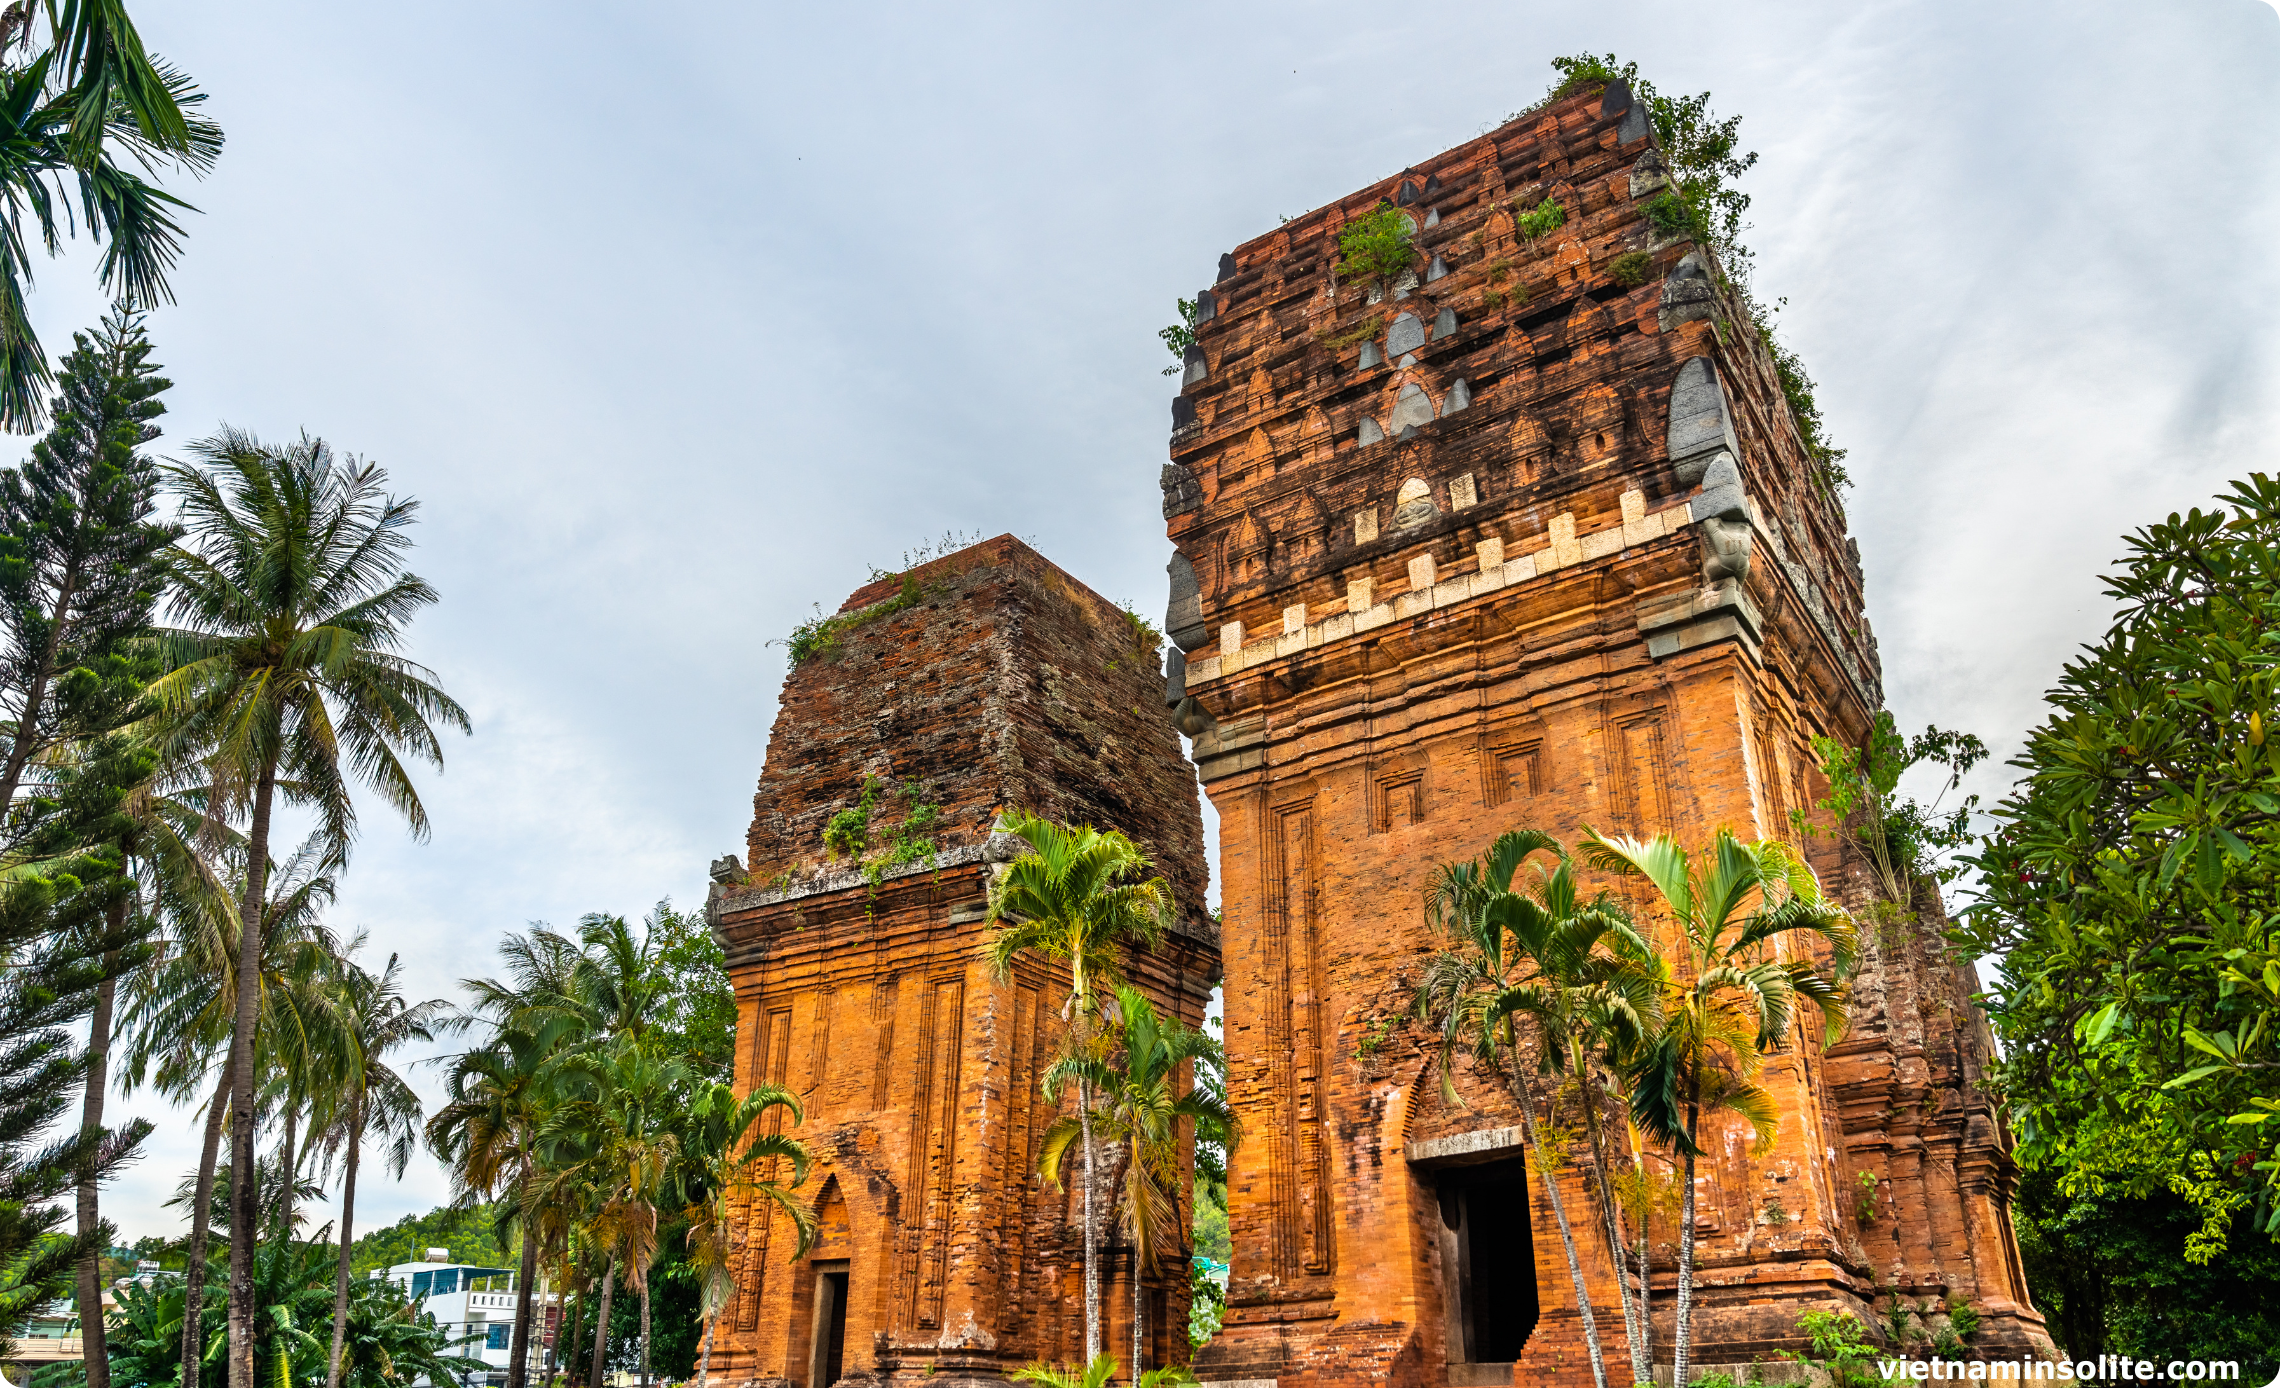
[679,317]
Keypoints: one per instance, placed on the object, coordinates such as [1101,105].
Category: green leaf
[2201,1073]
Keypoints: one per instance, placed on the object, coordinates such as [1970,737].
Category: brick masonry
[1540,550]
[1006,684]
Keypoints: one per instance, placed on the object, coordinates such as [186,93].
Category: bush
[1376,244]
[1631,268]
[1543,219]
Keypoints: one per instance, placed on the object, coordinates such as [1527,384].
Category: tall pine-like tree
[80,568]
[79,545]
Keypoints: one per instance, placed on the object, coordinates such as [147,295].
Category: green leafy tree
[1901,837]
[284,675]
[1075,899]
[2109,1272]
[2131,884]
[1733,1000]
[1514,954]
[469,1231]
[696,1015]
[80,95]
[1140,1105]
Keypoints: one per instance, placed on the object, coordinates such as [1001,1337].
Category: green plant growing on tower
[1539,221]
[1631,268]
[1902,838]
[849,832]
[1840,1348]
[1864,1206]
[1376,245]
[1180,336]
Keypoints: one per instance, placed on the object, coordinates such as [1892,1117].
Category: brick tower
[985,680]
[1527,537]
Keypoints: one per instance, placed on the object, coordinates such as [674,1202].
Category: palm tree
[618,1120]
[1733,910]
[488,1136]
[373,1098]
[1137,1090]
[65,114]
[285,676]
[181,1010]
[1512,954]
[1074,898]
[1598,991]
[722,1148]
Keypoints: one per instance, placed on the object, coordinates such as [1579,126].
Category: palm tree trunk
[90,1126]
[1639,1367]
[201,1212]
[347,1224]
[287,1161]
[1646,1303]
[1685,1323]
[1559,1215]
[602,1321]
[704,1357]
[245,1210]
[1092,1234]
[644,1332]
[518,1356]
[1138,1362]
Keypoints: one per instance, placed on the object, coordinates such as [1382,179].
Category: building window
[499,1334]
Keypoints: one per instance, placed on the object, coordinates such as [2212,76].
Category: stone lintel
[1465,1149]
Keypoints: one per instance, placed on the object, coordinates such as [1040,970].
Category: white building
[470,1300]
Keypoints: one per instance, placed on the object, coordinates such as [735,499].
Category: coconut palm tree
[617,1118]
[722,1151]
[1737,909]
[487,1135]
[1075,898]
[1508,956]
[284,675]
[372,1099]
[176,1031]
[1137,1091]
[68,111]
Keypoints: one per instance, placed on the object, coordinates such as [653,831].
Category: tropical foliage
[1748,916]
[1538,954]
[2130,911]
[1076,899]
[387,1342]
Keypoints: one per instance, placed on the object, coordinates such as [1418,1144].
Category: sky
[678,318]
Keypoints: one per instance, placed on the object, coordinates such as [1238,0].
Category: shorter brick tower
[983,681]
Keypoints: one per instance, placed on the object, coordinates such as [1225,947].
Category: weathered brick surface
[1594,585]
[1008,684]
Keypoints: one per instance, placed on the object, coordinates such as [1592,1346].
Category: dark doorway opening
[829,1338]
[1488,1264]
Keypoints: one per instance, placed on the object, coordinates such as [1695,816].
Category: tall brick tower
[985,680]
[1527,537]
